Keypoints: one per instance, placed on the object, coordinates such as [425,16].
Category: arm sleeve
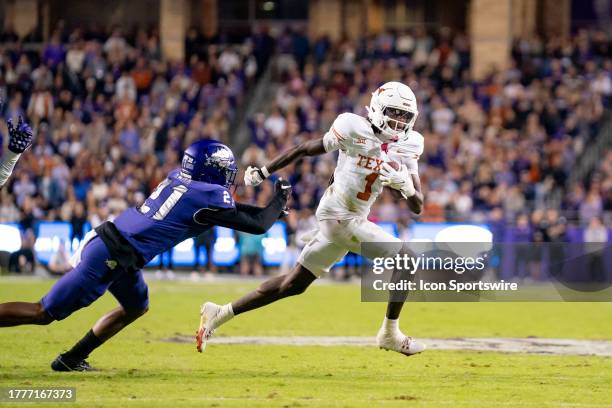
[246,208]
[245,218]
[7,165]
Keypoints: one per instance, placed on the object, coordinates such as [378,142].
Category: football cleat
[209,313]
[399,342]
[64,362]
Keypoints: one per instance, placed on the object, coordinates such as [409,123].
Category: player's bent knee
[292,288]
[42,317]
[136,313]
[298,281]
[130,315]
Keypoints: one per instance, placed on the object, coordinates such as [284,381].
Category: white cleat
[399,342]
[209,313]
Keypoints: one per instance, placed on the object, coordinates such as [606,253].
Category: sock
[391,325]
[226,313]
[84,346]
[229,308]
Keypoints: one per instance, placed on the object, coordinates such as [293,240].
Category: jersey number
[167,205]
[227,199]
[365,194]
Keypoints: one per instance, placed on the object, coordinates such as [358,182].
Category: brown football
[396,194]
[394,164]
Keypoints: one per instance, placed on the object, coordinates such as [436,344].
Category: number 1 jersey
[361,156]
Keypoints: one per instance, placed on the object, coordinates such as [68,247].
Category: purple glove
[20,138]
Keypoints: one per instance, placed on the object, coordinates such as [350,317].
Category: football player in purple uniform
[190,200]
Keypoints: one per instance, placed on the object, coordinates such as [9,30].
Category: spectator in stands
[596,237]
[78,221]
[205,240]
[556,234]
[250,254]
[53,53]
[59,263]
[41,104]
[507,141]
[591,207]
[8,210]
[23,260]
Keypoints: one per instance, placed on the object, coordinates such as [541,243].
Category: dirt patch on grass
[504,345]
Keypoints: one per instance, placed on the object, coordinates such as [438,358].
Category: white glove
[254,176]
[400,180]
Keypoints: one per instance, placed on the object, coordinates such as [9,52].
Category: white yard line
[505,345]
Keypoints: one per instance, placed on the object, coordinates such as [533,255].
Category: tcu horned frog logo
[221,158]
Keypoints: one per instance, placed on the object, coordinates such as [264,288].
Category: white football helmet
[393,110]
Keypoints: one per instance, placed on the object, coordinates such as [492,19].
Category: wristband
[264,172]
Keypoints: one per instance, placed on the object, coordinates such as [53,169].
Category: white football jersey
[356,183]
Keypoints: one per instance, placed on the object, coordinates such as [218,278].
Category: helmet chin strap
[395,136]
[386,136]
[390,137]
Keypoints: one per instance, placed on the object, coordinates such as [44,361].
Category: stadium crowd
[112,118]
[498,150]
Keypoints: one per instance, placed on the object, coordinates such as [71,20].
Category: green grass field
[139,368]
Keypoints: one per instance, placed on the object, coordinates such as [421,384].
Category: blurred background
[514,99]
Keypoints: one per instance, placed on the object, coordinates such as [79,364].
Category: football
[394,164]
[396,194]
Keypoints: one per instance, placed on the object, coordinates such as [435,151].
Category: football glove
[254,176]
[283,188]
[400,180]
[20,137]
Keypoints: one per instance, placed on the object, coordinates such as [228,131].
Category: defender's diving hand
[20,137]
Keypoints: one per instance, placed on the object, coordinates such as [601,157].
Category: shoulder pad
[413,144]
[212,196]
[349,126]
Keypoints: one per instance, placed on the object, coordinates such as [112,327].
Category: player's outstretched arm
[246,218]
[20,138]
[253,176]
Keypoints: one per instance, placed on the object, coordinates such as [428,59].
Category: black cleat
[66,363]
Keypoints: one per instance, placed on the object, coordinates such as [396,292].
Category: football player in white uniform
[366,146]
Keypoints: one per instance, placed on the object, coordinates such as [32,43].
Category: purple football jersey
[166,218]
